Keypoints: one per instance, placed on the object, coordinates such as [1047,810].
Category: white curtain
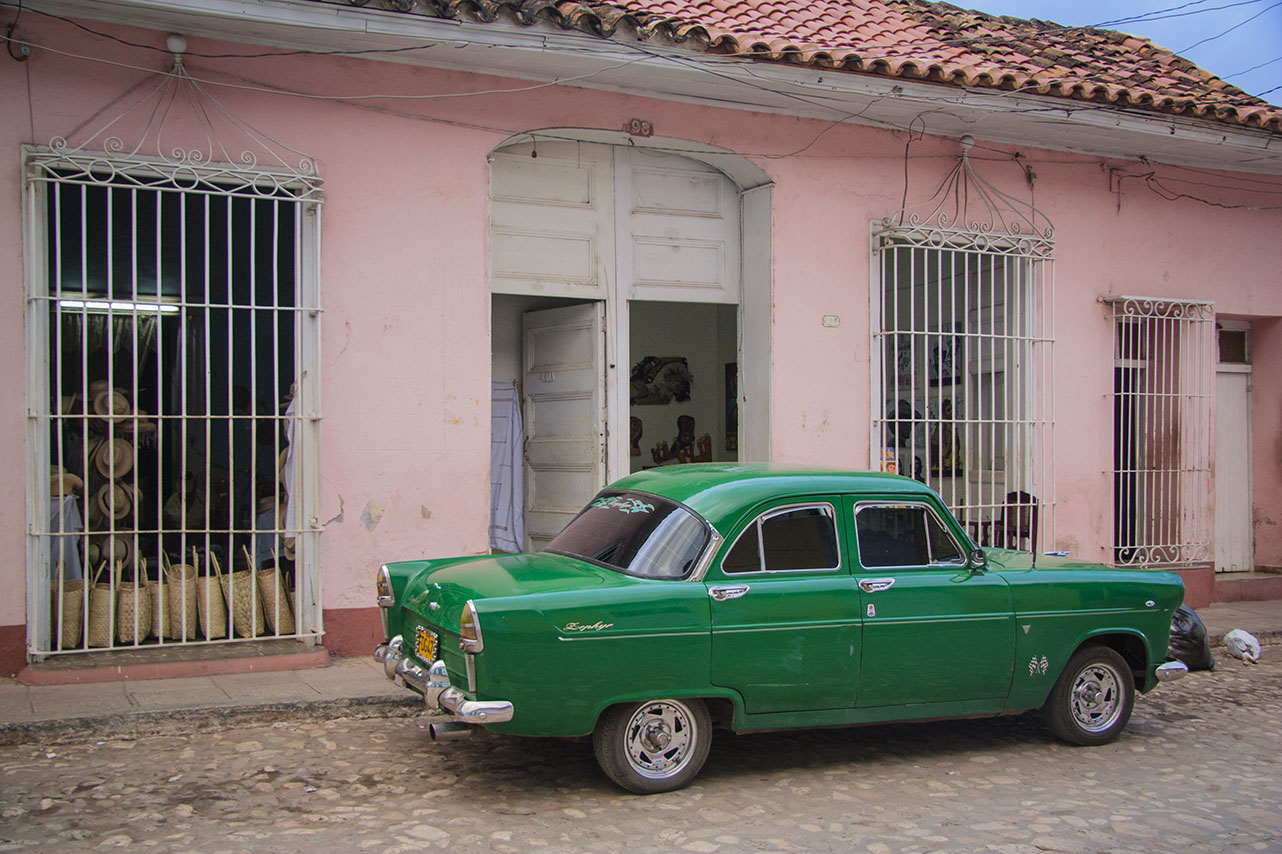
[507,474]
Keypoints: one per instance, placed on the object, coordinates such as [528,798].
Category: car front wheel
[1092,700]
[655,746]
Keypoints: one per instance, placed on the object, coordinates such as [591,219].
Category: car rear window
[635,533]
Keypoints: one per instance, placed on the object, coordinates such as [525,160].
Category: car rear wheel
[1092,700]
[655,746]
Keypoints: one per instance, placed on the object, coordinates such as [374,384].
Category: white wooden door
[563,397]
[1233,530]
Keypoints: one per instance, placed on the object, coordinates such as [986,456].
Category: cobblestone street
[1197,770]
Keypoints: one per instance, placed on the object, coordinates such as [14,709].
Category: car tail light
[383,588]
[470,629]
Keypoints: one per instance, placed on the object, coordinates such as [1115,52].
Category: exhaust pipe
[443,731]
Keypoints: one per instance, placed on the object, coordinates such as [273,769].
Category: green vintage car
[758,597]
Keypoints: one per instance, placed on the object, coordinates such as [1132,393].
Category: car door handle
[733,591]
[872,585]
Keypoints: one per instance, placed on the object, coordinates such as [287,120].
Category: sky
[1237,40]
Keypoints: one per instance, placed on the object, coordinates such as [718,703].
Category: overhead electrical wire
[354,100]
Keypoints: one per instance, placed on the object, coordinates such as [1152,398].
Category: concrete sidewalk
[348,687]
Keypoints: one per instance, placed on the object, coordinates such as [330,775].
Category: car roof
[720,492]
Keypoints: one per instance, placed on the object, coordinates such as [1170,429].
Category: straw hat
[114,458]
[63,483]
[112,404]
[116,500]
[103,547]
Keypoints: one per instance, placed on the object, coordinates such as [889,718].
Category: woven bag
[134,603]
[175,601]
[68,610]
[102,607]
[242,599]
[274,597]
[210,604]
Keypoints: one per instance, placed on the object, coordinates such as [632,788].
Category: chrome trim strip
[1033,615]
[791,627]
[469,664]
[710,551]
[877,621]
[630,637]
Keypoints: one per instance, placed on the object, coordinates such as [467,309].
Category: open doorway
[683,384]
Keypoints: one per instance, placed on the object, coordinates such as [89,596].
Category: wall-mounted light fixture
[98,306]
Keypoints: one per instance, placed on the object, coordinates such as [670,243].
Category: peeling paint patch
[424,512]
[339,517]
[372,514]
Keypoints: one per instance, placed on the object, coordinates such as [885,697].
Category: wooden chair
[1017,522]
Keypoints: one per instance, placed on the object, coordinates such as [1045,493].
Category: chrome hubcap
[659,738]
[1097,697]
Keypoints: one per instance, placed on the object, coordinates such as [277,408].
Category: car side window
[784,539]
[903,535]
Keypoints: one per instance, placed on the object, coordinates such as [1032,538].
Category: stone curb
[183,721]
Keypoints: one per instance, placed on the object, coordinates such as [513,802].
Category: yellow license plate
[425,644]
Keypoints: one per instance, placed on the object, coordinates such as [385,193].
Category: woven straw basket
[68,595]
[176,613]
[134,604]
[242,599]
[274,597]
[102,607]
[210,604]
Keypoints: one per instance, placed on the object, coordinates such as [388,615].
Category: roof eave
[685,72]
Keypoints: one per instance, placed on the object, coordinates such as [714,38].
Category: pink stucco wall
[405,349]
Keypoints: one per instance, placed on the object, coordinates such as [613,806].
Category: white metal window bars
[172,388]
[962,375]
[1164,368]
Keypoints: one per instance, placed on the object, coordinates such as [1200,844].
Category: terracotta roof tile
[915,39]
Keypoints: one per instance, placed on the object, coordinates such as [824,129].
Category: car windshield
[635,533]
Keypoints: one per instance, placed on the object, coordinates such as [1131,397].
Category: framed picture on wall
[946,355]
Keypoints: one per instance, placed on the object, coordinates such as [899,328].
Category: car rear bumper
[433,683]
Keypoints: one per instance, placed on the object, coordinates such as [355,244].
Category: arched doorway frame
[755,326]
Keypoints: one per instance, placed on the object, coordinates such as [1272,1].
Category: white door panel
[1233,527]
[564,393]
[550,228]
[678,234]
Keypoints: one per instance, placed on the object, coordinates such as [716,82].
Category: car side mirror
[978,561]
